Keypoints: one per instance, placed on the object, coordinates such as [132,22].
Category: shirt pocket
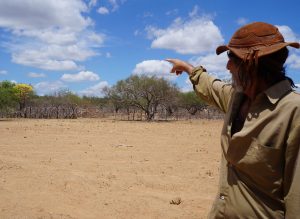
[261,163]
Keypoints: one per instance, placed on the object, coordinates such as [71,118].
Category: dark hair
[269,68]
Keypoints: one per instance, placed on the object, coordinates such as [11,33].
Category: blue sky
[85,45]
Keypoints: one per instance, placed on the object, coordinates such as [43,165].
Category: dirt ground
[97,168]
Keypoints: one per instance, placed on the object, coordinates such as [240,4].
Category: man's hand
[180,66]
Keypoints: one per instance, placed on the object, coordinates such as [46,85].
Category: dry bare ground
[97,168]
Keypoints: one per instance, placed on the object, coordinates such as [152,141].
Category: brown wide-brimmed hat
[256,39]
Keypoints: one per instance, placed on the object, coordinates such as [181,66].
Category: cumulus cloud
[214,64]
[96,90]
[298,87]
[156,68]
[187,85]
[36,75]
[45,87]
[43,63]
[81,76]
[293,61]
[51,57]
[36,14]
[54,36]
[288,33]
[195,36]
[194,12]
[51,35]
[103,10]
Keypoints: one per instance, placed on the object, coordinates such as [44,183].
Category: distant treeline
[135,98]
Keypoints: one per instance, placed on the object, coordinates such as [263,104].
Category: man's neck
[256,88]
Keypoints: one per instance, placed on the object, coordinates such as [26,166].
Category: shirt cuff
[196,73]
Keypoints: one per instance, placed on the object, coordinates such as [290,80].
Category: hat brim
[262,50]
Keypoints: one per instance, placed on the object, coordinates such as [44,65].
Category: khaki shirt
[260,164]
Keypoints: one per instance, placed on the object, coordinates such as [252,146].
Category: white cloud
[36,75]
[81,76]
[297,88]
[44,88]
[93,39]
[103,10]
[61,36]
[3,72]
[195,36]
[41,37]
[194,12]
[108,55]
[157,68]
[288,34]
[96,90]
[49,35]
[214,64]
[54,56]
[43,62]
[242,21]
[293,61]
[36,14]
[51,57]
[187,86]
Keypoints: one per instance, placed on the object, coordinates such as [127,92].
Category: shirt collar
[277,91]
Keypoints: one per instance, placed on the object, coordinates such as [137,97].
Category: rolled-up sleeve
[212,90]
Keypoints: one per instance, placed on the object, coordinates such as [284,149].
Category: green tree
[8,98]
[191,102]
[143,92]
[118,95]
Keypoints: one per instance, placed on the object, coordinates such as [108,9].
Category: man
[260,164]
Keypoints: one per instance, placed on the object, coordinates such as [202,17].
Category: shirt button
[222,197]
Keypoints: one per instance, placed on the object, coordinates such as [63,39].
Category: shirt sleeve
[292,175]
[210,89]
